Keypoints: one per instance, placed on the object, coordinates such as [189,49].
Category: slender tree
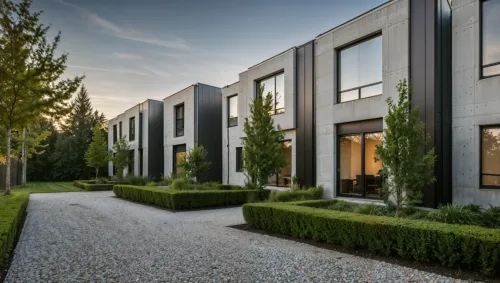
[262,153]
[119,156]
[195,163]
[97,154]
[405,166]
[30,72]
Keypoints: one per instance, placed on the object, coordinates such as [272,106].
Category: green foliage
[97,187]
[309,194]
[450,245]
[491,217]
[180,184]
[341,206]
[134,180]
[181,200]
[12,213]
[369,209]
[262,152]
[405,168]
[97,154]
[79,183]
[195,163]
[455,214]
[120,156]
[63,159]
[33,140]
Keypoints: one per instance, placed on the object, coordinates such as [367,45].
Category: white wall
[393,21]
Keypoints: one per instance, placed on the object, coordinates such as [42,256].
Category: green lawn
[48,187]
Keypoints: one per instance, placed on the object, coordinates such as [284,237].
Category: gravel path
[95,237]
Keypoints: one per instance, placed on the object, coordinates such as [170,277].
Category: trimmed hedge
[284,196]
[451,245]
[97,187]
[179,200]
[79,183]
[12,213]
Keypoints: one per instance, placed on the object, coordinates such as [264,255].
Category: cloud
[156,71]
[127,56]
[122,71]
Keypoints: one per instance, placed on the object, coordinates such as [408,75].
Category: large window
[284,177]
[490,157]
[232,110]
[275,86]
[179,155]
[239,159]
[131,129]
[121,129]
[131,158]
[179,120]
[490,31]
[360,70]
[115,134]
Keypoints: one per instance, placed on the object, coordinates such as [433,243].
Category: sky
[131,50]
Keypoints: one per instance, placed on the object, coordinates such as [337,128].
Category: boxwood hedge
[97,187]
[179,200]
[12,213]
[451,245]
[79,183]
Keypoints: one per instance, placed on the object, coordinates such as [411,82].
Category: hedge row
[97,187]
[79,183]
[284,196]
[450,245]
[179,200]
[12,213]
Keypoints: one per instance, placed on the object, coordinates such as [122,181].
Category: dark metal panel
[305,131]
[155,139]
[209,129]
[366,126]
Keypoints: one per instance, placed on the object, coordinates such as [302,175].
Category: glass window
[131,160]
[239,159]
[232,103]
[356,180]
[131,129]
[179,155]
[284,177]
[115,134]
[490,24]
[120,128]
[275,86]
[179,120]
[360,70]
[490,157]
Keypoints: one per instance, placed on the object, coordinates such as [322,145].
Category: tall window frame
[232,118]
[239,159]
[376,86]
[482,173]
[278,98]
[115,134]
[120,129]
[131,129]
[486,65]
[179,120]
[178,150]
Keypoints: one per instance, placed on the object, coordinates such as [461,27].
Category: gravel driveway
[95,237]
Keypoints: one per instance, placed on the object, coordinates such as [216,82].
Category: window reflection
[490,153]
[491,37]
[233,111]
[179,155]
[275,86]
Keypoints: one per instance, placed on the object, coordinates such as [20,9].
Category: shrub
[491,217]
[135,180]
[151,184]
[97,187]
[341,206]
[12,213]
[448,244]
[455,214]
[79,183]
[179,200]
[180,184]
[309,194]
[369,209]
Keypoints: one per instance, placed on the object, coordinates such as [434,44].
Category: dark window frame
[338,50]
[176,119]
[273,75]
[115,133]
[131,129]
[174,156]
[239,159]
[481,45]
[120,126]
[229,125]
[481,186]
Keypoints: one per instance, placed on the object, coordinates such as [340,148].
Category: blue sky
[131,50]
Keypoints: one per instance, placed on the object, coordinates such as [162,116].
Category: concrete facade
[392,21]
[476,102]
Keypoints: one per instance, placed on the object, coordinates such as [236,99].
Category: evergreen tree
[195,163]
[40,167]
[97,154]
[262,152]
[30,74]
[405,168]
[120,156]
[64,158]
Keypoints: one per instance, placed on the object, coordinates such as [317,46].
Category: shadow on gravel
[431,268]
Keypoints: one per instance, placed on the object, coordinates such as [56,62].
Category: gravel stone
[96,237]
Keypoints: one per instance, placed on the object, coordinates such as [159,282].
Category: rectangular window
[115,134]
[490,34]
[360,70]
[360,175]
[284,177]
[490,157]
[179,120]
[131,160]
[275,86]
[131,129]
[179,153]
[232,110]
[121,130]
[239,159]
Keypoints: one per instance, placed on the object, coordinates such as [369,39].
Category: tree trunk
[24,159]
[7,163]
[96,172]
